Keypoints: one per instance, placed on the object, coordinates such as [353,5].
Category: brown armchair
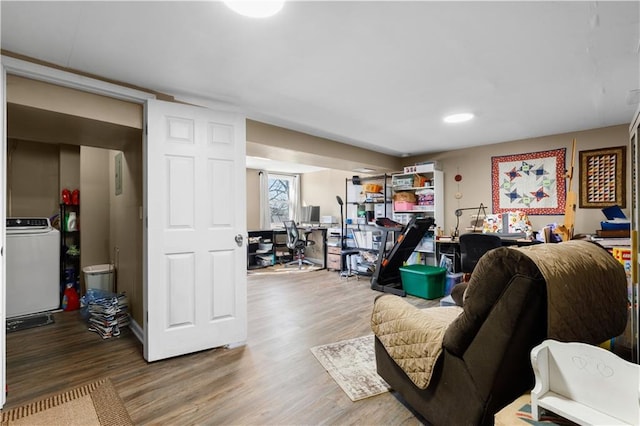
[516,298]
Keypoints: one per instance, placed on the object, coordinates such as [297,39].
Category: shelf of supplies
[416,210]
[368,202]
[422,189]
[412,188]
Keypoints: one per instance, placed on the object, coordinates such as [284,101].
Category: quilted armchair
[460,365]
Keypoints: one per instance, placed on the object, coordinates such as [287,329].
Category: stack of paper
[108,314]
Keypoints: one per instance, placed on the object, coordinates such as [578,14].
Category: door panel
[195,277]
[3,285]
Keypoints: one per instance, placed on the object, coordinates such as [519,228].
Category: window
[281,196]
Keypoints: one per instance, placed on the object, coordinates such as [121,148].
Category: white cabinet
[419,192]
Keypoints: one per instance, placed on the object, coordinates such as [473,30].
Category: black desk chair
[297,244]
[472,247]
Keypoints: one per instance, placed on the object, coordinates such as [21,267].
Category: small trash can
[99,276]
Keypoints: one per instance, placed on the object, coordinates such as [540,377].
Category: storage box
[419,181]
[265,246]
[402,218]
[264,260]
[403,206]
[404,181]
[425,281]
[615,226]
[623,255]
[372,187]
[452,280]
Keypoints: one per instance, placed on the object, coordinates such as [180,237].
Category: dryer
[32,266]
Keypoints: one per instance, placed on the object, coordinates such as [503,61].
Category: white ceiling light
[458,118]
[255,8]
[364,170]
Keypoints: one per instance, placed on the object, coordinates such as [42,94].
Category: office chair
[472,247]
[297,244]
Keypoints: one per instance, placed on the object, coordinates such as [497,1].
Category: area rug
[281,269]
[97,403]
[352,364]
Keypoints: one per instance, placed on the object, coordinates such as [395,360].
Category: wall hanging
[533,183]
[602,177]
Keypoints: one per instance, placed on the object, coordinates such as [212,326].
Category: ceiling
[374,74]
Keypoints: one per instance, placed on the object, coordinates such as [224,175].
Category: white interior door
[194,277]
[3,186]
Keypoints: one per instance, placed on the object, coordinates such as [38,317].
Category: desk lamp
[341,221]
[458,213]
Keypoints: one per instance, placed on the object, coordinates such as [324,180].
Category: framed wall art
[533,183]
[602,177]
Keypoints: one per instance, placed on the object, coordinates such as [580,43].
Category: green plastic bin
[425,281]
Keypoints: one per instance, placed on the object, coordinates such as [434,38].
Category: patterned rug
[97,403]
[352,364]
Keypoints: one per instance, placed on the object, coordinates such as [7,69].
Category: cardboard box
[623,255]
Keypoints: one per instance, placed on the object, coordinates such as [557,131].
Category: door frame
[35,71]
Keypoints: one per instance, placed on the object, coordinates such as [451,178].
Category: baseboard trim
[137,330]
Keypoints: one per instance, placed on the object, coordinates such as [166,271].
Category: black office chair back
[293,236]
[473,246]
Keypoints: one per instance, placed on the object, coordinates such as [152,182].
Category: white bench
[585,384]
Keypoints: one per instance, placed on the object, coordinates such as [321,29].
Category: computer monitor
[310,214]
[314,217]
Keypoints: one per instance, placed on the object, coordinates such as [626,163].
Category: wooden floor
[273,379]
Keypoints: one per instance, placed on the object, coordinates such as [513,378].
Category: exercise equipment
[386,277]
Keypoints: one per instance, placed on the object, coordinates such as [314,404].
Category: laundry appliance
[32,266]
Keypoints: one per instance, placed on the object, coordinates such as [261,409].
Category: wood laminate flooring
[271,380]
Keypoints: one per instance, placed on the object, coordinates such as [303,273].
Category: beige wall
[474,164]
[69,166]
[253,200]
[94,207]
[320,189]
[125,225]
[32,179]
[49,97]
[277,143]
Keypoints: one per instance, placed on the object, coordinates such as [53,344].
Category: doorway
[187,153]
[49,151]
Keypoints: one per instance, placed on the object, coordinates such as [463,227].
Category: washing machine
[32,266]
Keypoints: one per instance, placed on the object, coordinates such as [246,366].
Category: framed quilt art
[533,182]
[602,177]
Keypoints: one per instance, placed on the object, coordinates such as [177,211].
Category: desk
[317,253]
[451,249]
